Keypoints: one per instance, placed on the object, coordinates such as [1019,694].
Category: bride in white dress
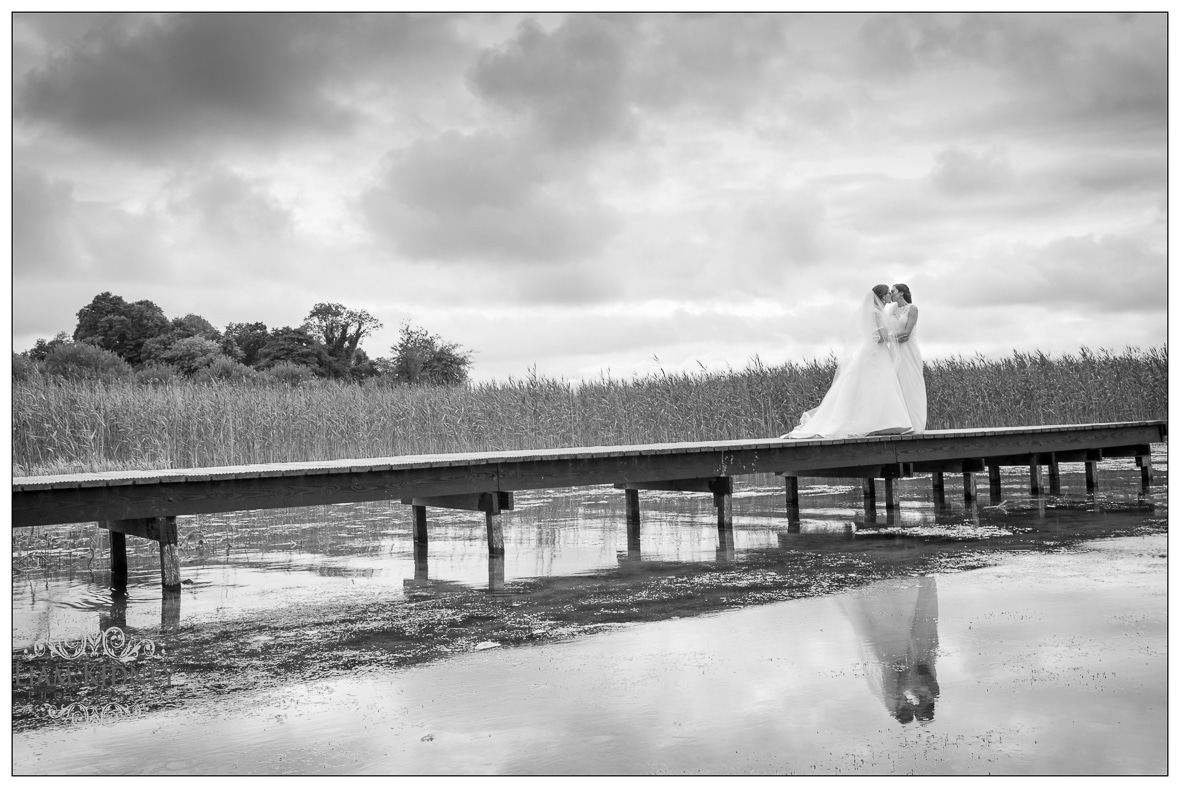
[904,317]
[865,397]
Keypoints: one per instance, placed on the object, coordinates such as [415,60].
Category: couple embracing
[878,388]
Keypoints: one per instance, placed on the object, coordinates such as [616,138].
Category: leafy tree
[341,330]
[247,338]
[41,348]
[187,327]
[291,374]
[83,361]
[293,345]
[191,354]
[122,328]
[422,357]
[226,370]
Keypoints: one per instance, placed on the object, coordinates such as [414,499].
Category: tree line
[115,339]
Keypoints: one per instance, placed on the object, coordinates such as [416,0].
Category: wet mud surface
[436,620]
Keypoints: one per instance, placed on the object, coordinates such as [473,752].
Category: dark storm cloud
[571,84]
[484,197]
[151,85]
[597,78]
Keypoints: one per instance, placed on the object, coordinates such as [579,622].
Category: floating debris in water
[486,645]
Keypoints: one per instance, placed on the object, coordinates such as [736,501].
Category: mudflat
[1050,660]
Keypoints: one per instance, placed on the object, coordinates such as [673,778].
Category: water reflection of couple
[878,388]
[897,624]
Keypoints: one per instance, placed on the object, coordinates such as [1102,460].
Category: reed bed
[67,427]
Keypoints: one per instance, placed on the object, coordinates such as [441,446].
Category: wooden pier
[146,503]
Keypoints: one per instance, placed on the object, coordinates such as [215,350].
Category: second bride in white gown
[865,397]
[904,316]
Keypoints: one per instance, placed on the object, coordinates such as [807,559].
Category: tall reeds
[81,426]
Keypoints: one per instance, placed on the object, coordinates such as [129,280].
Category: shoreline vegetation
[77,426]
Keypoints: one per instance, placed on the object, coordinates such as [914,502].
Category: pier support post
[993,483]
[1034,475]
[1054,476]
[724,503]
[495,534]
[1144,463]
[421,572]
[158,529]
[1091,476]
[870,488]
[937,482]
[169,556]
[490,503]
[890,495]
[633,528]
[792,487]
[118,558]
[419,528]
[969,492]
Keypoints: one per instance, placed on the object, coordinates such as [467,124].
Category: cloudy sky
[586,194]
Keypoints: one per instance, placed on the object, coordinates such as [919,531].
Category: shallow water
[1048,656]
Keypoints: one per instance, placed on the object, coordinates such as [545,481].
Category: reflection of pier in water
[145,504]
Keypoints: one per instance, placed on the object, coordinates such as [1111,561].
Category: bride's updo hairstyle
[880,291]
[905,291]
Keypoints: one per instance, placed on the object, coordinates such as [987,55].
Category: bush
[290,374]
[226,370]
[83,361]
[24,369]
[192,354]
[157,375]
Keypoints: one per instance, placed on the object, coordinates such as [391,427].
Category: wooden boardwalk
[146,503]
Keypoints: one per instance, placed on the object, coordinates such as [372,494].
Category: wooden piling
[158,529]
[993,482]
[1034,475]
[169,556]
[495,534]
[937,481]
[419,527]
[1091,476]
[969,491]
[1144,463]
[870,488]
[1054,476]
[792,486]
[633,527]
[724,503]
[890,497]
[118,543]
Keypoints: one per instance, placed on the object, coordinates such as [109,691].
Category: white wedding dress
[865,397]
[909,367]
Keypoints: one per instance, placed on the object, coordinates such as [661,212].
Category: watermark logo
[95,677]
